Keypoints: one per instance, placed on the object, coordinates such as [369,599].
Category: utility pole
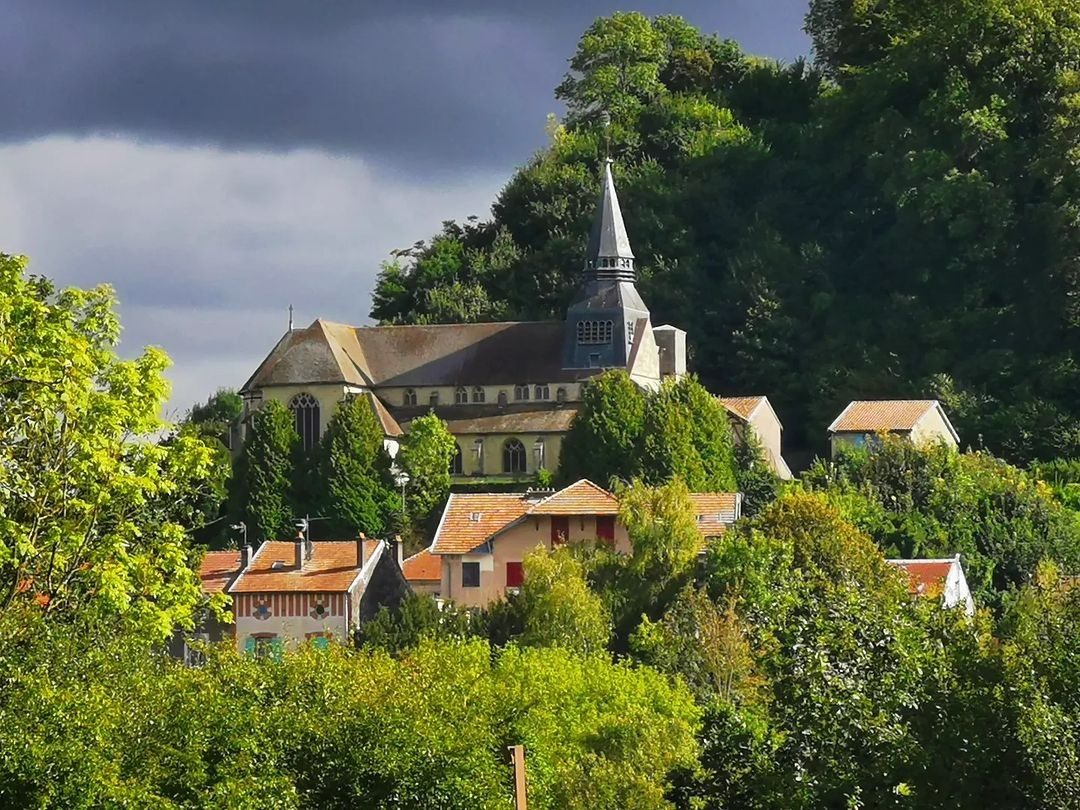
[517,759]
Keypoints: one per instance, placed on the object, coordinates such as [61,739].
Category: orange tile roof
[423,566]
[217,568]
[715,511]
[742,407]
[886,414]
[469,519]
[925,577]
[580,498]
[332,567]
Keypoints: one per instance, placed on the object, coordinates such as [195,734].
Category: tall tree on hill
[667,449]
[264,478]
[354,470]
[710,434]
[604,439]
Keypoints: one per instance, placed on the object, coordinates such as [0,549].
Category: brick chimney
[299,546]
[399,549]
[245,557]
[360,540]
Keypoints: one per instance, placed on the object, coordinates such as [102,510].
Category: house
[921,421]
[482,538]
[423,572]
[754,415]
[286,593]
[940,579]
[507,391]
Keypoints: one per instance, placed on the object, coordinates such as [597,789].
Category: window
[320,641]
[629,334]
[521,392]
[470,575]
[502,398]
[594,331]
[594,361]
[477,394]
[461,396]
[457,465]
[433,398]
[305,410]
[560,530]
[409,398]
[560,395]
[263,645]
[513,456]
[542,392]
[515,575]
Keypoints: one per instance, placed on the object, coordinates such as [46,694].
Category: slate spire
[609,255]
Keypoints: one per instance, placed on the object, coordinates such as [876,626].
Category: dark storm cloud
[426,86]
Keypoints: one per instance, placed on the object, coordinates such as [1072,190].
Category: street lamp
[402,480]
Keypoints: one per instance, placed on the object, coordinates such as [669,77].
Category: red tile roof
[715,511]
[469,519]
[217,568]
[580,498]
[423,566]
[886,414]
[742,407]
[925,577]
[332,567]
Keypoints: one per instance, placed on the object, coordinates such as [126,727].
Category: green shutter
[249,645]
[320,642]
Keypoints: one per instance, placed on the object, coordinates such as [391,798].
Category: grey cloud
[429,86]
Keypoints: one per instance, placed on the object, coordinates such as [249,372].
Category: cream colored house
[508,391]
[755,415]
[483,538]
[921,421]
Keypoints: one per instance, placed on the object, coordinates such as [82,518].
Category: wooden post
[517,759]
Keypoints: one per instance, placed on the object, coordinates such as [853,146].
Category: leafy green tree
[559,609]
[354,469]
[94,513]
[216,417]
[754,478]
[667,450]
[425,455]
[710,433]
[605,435]
[265,477]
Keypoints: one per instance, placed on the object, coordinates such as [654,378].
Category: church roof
[448,354]
[608,239]
[468,419]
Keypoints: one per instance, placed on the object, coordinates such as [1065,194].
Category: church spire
[609,255]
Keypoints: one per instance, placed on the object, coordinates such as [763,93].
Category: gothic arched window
[461,396]
[478,393]
[433,398]
[521,392]
[305,410]
[502,398]
[457,464]
[560,395]
[513,456]
[542,393]
[590,332]
[410,397]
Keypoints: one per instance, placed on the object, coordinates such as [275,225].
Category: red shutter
[515,575]
[605,528]
[560,530]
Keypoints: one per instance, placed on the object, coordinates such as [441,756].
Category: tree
[667,450]
[265,478]
[662,524]
[710,433]
[603,440]
[354,469]
[93,512]
[217,416]
[558,608]
[425,456]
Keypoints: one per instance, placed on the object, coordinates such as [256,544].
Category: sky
[217,161]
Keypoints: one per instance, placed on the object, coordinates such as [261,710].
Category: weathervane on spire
[290,317]
[605,122]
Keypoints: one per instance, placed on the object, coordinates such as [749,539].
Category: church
[507,391]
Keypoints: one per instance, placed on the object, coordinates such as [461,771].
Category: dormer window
[475,516]
[410,397]
[594,332]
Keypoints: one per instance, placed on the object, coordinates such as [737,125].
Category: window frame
[461,395]
[409,397]
[471,566]
[479,395]
[513,450]
[307,417]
